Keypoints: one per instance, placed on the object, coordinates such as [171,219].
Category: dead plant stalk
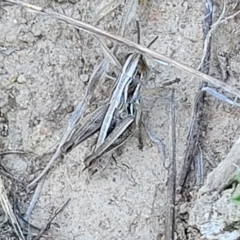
[94,30]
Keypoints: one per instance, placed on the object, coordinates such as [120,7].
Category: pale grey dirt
[128,199]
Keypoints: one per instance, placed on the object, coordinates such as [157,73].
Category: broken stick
[171,193]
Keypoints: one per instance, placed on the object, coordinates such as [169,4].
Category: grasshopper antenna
[152,42]
[138,32]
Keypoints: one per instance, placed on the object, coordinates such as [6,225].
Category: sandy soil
[53,63]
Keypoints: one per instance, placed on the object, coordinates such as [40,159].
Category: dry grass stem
[47,226]
[197,110]
[75,120]
[7,208]
[171,192]
[141,49]
[34,200]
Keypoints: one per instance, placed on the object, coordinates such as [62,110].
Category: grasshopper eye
[131,109]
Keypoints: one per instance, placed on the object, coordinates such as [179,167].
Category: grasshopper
[128,73]
[119,134]
[132,73]
[130,70]
[114,118]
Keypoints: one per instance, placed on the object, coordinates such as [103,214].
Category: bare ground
[53,63]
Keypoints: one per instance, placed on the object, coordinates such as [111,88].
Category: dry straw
[139,48]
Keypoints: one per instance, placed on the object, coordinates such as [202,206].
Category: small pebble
[109,44]
[19,165]
[84,78]
[21,79]
[45,131]
[31,177]
[113,15]
[70,109]
[14,79]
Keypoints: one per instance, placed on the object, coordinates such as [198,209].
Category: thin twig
[230,17]
[138,33]
[159,142]
[209,29]
[75,120]
[193,135]
[170,219]
[199,167]
[7,174]
[220,96]
[72,128]
[47,226]
[56,155]
[11,152]
[128,14]
[14,152]
[126,17]
[197,112]
[7,208]
[34,200]
[73,125]
[141,49]
[28,227]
